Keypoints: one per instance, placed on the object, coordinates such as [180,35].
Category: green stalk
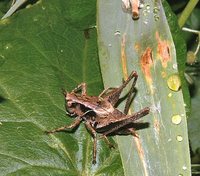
[186,12]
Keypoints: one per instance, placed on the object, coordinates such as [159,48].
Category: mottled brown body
[99,113]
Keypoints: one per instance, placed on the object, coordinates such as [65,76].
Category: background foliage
[43,49]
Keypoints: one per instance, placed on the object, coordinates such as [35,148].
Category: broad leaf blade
[43,49]
[162,148]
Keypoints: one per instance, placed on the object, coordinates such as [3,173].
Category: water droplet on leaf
[184,168]
[117,32]
[8,46]
[174,82]
[170,95]
[179,138]
[145,22]
[176,119]
[174,66]
[147,6]
[156,17]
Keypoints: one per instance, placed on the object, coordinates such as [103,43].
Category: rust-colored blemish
[163,50]
[146,62]
[123,57]
[135,9]
[141,155]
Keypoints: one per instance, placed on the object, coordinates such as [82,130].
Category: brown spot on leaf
[146,63]
[123,57]
[141,155]
[163,50]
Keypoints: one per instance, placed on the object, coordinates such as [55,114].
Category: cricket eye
[69,103]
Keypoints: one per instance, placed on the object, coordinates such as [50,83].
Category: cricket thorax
[79,104]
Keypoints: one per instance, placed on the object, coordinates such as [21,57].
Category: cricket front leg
[67,127]
[94,135]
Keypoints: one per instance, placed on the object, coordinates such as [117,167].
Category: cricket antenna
[64,91]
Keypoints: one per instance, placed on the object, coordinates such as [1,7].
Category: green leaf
[146,46]
[180,46]
[43,49]
[194,120]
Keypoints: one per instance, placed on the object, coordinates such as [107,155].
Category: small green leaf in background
[42,50]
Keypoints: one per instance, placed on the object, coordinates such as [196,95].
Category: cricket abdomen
[105,122]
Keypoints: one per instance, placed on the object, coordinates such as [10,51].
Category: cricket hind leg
[114,95]
[106,92]
[130,98]
[94,135]
[129,120]
[67,127]
[127,131]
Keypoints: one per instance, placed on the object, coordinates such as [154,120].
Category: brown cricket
[99,113]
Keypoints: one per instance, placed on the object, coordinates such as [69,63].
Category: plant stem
[186,12]
[195,32]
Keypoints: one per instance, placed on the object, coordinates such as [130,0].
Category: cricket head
[70,105]
[73,106]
